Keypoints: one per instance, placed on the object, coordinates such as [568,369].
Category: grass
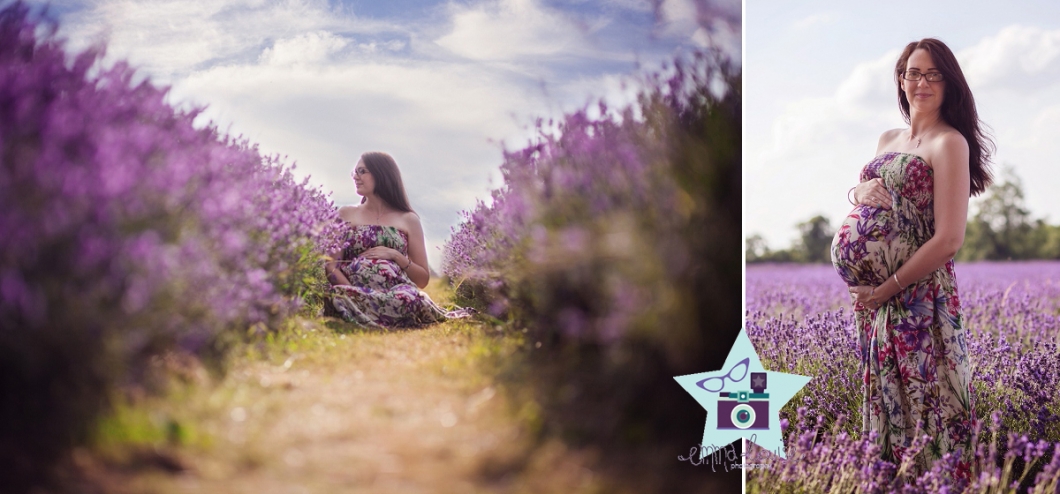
[325,406]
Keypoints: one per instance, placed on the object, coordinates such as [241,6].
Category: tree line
[1001,229]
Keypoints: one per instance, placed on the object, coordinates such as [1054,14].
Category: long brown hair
[958,108]
[387,177]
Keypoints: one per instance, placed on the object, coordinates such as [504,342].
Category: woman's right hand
[873,193]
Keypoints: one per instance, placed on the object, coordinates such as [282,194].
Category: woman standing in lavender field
[376,278]
[895,251]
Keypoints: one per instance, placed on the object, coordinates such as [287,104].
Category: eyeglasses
[735,374]
[359,171]
[915,75]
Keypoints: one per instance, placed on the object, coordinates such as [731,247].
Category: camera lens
[743,416]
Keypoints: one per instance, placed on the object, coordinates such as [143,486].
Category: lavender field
[129,232]
[799,318]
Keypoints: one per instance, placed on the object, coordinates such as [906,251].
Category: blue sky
[818,92]
[442,86]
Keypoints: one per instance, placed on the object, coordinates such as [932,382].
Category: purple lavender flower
[799,318]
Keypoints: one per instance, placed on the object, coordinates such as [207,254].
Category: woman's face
[363,179]
[923,95]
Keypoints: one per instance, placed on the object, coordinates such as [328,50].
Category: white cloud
[509,29]
[721,34]
[314,47]
[870,87]
[864,102]
[703,23]
[678,18]
[169,38]
[1017,57]
[374,47]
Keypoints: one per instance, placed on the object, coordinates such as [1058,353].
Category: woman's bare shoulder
[886,138]
[952,138]
[950,147]
[348,211]
[411,219]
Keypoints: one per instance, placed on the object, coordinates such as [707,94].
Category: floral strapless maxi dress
[380,294]
[914,358]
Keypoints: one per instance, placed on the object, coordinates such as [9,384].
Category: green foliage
[816,239]
[814,244]
[1002,228]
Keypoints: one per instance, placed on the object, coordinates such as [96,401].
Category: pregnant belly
[375,273]
[867,248]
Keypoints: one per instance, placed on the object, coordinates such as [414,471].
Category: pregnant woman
[376,278]
[895,251]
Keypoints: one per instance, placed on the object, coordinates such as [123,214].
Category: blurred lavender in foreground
[602,220]
[799,318]
[126,232]
[614,243]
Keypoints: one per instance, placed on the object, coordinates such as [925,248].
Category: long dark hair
[387,177]
[958,108]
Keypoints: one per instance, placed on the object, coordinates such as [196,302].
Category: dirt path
[329,410]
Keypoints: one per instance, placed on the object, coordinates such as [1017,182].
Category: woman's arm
[332,271]
[331,267]
[952,183]
[415,264]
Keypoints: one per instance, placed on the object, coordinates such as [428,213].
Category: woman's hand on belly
[874,297]
[380,252]
[873,193]
[866,296]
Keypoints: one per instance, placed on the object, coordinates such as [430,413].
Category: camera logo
[742,409]
[736,400]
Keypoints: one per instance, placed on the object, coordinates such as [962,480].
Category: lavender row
[591,226]
[127,231]
[1011,314]
[614,244]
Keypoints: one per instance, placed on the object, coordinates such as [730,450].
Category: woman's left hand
[380,252]
[866,296]
[873,193]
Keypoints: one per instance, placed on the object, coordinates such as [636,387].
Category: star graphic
[735,377]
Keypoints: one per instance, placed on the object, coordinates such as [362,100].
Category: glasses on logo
[915,75]
[735,374]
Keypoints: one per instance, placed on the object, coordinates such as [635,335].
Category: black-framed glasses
[735,374]
[915,75]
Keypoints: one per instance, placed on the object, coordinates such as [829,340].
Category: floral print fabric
[914,359]
[380,293]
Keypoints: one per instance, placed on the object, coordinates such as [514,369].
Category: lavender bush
[615,242]
[799,320]
[127,231]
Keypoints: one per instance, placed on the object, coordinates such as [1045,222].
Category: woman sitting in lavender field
[376,278]
[895,251]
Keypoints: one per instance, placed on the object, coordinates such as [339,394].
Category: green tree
[815,240]
[1002,226]
[757,249]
